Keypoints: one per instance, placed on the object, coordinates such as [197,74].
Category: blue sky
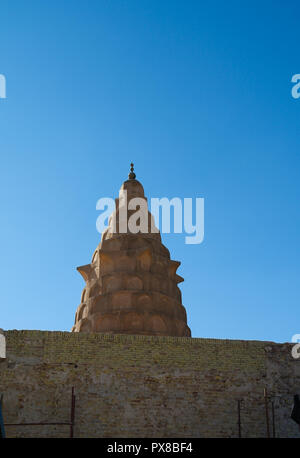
[198,95]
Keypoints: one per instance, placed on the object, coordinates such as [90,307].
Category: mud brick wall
[141,386]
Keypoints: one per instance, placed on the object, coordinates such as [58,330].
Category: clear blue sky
[198,95]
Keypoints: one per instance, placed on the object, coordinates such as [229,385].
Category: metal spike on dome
[131,175]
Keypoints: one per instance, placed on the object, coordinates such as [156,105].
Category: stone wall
[142,386]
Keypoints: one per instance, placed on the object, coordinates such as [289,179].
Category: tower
[131,282]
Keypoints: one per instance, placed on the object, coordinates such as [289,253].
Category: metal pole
[2,429]
[273,419]
[72,413]
[239,418]
[267,412]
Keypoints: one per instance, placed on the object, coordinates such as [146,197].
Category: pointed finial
[131,175]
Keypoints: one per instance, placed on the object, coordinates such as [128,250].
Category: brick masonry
[143,386]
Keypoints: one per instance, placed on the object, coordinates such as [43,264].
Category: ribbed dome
[131,283]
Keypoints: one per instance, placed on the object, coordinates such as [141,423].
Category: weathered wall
[141,386]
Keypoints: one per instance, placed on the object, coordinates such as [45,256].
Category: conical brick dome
[131,283]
